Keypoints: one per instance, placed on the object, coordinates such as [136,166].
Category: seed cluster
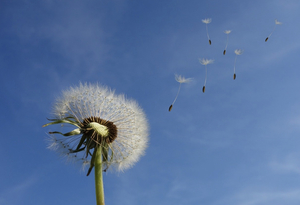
[112,130]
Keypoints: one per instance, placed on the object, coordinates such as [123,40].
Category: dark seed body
[209,42]
[170,108]
[203,89]
[234,76]
[266,39]
[224,52]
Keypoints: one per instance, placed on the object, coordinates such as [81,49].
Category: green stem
[99,177]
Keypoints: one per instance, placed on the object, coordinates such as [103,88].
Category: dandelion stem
[208,35]
[234,64]
[272,31]
[99,177]
[177,94]
[226,42]
[205,75]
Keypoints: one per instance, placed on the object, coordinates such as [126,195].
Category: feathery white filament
[180,79]
[227,32]
[205,75]
[276,23]
[237,52]
[207,32]
[205,62]
[226,42]
[234,64]
[207,21]
[177,94]
[272,31]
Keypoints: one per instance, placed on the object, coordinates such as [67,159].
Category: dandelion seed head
[205,61]
[181,79]
[238,51]
[116,124]
[277,22]
[207,21]
[227,31]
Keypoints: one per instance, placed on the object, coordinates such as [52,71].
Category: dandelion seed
[180,79]
[207,21]
[237,52]
[276,23]
[226,32]
[109,130]
[205,62]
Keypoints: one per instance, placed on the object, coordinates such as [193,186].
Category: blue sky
[237,143]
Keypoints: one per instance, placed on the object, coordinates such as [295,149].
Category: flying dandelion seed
[180,79]
[109,130]
[205,62]
[237,52]
[226,32]
[276,23]
[207,21]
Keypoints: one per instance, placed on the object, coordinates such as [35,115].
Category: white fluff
[94,100]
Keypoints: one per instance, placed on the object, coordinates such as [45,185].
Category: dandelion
[237,52]
[207,21]
[226,32]
[276,23]
[180,79]
[110,131]
[205,62]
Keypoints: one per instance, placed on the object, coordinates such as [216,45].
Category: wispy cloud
[176,189]
[288,165]
[78,38]
[185,191]
[278,54]
[14,194]
[251,197]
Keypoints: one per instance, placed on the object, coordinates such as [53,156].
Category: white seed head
[181,79]
[205,61]
[277,22]
[87,101]
[207,21]
[227,31]
[238,51]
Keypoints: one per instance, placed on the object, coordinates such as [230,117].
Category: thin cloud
[279,54]
[8,196]
[288,165]
[269,197]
